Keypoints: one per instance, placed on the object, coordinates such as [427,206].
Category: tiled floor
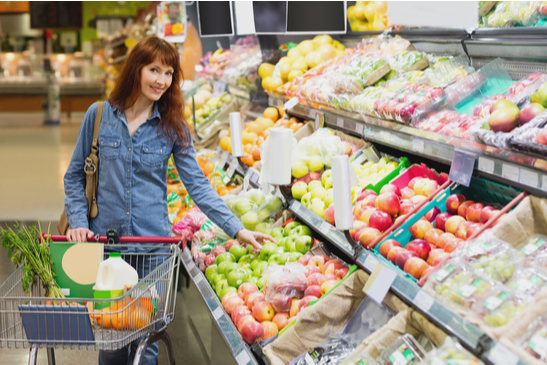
[32,165]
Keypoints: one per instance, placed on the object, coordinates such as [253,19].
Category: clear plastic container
[532,247]
[404,350]
[500,305]
[528,281]
[534,341]
[360,359]
[445,273]
[451,353]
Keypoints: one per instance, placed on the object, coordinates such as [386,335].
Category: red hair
[171,104]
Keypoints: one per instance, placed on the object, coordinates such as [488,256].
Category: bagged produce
[254,207]
[284,283]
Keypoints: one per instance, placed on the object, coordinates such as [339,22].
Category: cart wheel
[33,355]
[149,339]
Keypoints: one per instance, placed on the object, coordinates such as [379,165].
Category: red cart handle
[123,239]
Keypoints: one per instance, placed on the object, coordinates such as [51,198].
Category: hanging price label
[462,167]
[232,167]
[359,128]
[379,283]
[219,87]
[291,103]
[223,159]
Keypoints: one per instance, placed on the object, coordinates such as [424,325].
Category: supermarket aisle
[33,161]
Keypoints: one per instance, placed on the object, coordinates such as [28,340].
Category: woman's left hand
[252,238]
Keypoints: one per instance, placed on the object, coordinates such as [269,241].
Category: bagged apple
[284,283]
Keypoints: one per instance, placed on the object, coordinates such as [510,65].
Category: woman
[141,127]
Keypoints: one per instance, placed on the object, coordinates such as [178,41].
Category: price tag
[217,313]
[226,180]
[340,122]
[418,145]
[528,177]
[317,121]
[232,167]
[538,343]
[312,113]
[296,206]
[486,165]
[379,282]
[462,167]
[371,262]
[359,128]
[544,182]
[291,103]
[510,172]
[219,87]
[223,159]
[325,227]
[270,101]
[424,301]
[198,278]
[243,358]
[501,355]
[253,176]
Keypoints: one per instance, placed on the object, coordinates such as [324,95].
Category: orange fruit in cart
[271,113]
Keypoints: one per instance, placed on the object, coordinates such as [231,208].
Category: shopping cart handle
[123,239]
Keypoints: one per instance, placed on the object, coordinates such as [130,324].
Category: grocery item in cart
[113,275]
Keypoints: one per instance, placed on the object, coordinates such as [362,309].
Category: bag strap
[92,166]
[98,118]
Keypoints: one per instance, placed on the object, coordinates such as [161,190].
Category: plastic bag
[284,283]
[534,341]
[313,153]
[254,207]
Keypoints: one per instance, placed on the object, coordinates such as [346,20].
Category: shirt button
[125,233]
[127,213]
[129,148]
[139,129]
[127,191]
[128,170]
[147,150]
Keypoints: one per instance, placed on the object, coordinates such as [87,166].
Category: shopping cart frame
[161,282]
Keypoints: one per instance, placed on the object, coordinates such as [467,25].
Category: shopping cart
[144,310]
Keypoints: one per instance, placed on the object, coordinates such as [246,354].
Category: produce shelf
[473,338]
[238,348]
[513,168]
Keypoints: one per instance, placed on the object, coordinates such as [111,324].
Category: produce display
[511,13]
[254,207]
[533,342]
[368,15]
[210,109]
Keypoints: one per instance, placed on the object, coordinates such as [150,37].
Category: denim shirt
[132,191]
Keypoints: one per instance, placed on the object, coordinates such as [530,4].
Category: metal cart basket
[34,321]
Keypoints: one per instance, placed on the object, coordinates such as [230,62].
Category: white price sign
[529,178]
[243,358]
[424,301]
[359,128]
[501,355]
[510,172]
[340,122]
[371,262]
[486,165]
[379,283]
[291,103]
[217,313]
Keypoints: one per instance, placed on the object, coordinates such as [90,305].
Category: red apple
[380,220]
[366,193]
[281,319]
[238,312]
[246,288]
[407,193]
[294,307]
[270,329]
[541,138]
[461,231]
[246,318]
[441,219]
[432,236]
[305,301]
[420,228]
[369,200]
[304,259]
[341,273]
[314,279]
[250,297]
[263,311]
[420,247]
[400,218]
[473,212]
[485,214]
[313,290]
[420,185]
[332,263]
[444,239]
[453,244]
[226,297]
[453,203]
[281,302]
[462,209]
[218,250]
[403,256]
[530,112]
[209,260]
[388,203]
[252,332]
[365,213]
[405,207]
[369,235]
[434,254]
[452,223]
[252,303]
[430,187]
[440,259]
[328,285]
[472,229]
[329,214]
[310,269]
[415,266]
[317,261]
[230,243]
[232,302]
[390,188]
[388,245]
[326,278]
[392,254]
[427,272]
[412,182]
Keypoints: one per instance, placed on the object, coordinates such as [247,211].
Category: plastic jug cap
[115,254]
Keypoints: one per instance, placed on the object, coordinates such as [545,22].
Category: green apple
[301,231]
[306,200]
[294,256]
[313,185]
[256,196]
[319,193]
[280,249]
[327,174]
[246,260]
[220,286]
[328,183]
[260,268]
[289,227]
[237,277]
[329,199]
[250,249]
[210,271]
[238,251]
[253,279]
[315,163]
[260,283]
[255,263]
[303,244]
[283,258]
[230,267]
[225,256]
[274,258]
[249,220]
[277,232]
[226,290]
[283,243]
[242,206]
[261,227]
[299,189]
[218,279]
[267,231]
[222,266]
[291,242]
[267,250]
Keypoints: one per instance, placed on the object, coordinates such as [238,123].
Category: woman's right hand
[79,235]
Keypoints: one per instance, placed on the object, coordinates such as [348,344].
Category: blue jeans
[144,265]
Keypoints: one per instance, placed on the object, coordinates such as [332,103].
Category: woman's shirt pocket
[153,154]
[109,148]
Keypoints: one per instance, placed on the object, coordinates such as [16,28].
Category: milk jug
[114,273]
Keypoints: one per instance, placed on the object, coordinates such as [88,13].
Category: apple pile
[258,319]
[254,207]
[314,191]
[372,172]
[378,212]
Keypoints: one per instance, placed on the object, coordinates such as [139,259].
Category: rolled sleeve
[202,192]
[74,180]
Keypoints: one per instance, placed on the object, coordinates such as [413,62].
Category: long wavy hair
[171,104]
